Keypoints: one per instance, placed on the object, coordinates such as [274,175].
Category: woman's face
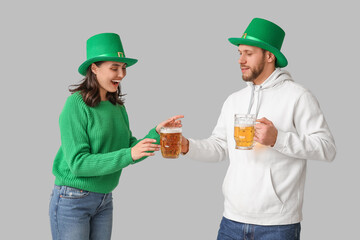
[109,74]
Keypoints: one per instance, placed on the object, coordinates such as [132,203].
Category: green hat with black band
[104,47]
[266,35]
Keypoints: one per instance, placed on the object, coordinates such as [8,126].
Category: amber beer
[244,131]
[170,141]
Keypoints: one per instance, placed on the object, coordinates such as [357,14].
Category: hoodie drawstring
[258,103]
[252,100]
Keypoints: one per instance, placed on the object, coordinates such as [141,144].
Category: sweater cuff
[154,135]
[128,156]
[281,140]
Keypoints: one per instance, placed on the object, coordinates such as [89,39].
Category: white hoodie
[265,186]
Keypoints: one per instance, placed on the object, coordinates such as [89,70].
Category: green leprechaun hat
[266,35]
[104,47]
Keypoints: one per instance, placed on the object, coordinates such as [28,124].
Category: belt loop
[63,190]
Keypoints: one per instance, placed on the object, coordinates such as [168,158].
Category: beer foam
[170,130]
[242,125]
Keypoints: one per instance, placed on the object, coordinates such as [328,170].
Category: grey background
[186,66]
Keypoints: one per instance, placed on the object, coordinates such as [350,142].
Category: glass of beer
[170,141]
[244,131]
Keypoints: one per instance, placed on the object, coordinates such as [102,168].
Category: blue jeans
[78,215]
[231,230]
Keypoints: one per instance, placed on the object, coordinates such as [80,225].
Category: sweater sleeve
[313,139]
[214,148]
[76,146]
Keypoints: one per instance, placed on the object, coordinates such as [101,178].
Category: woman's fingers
[173,119]
[170,122]
[147,140]
[149,145]
[176,117]
[145,154]
[154,147]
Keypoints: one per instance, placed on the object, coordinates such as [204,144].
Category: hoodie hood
[277,77]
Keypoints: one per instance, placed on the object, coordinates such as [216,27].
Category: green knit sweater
[95,145]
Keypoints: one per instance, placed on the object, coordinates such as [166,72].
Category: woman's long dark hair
[90,92]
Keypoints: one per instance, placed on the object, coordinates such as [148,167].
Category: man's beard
[254,72]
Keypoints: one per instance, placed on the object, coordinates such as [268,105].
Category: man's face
[252,62]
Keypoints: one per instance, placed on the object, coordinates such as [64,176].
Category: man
[264,187]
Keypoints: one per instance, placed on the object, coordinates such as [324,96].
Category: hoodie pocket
[252,191]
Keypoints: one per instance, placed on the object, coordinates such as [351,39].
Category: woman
[96,144]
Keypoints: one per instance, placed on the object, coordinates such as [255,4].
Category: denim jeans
[231,230]
[78,215]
